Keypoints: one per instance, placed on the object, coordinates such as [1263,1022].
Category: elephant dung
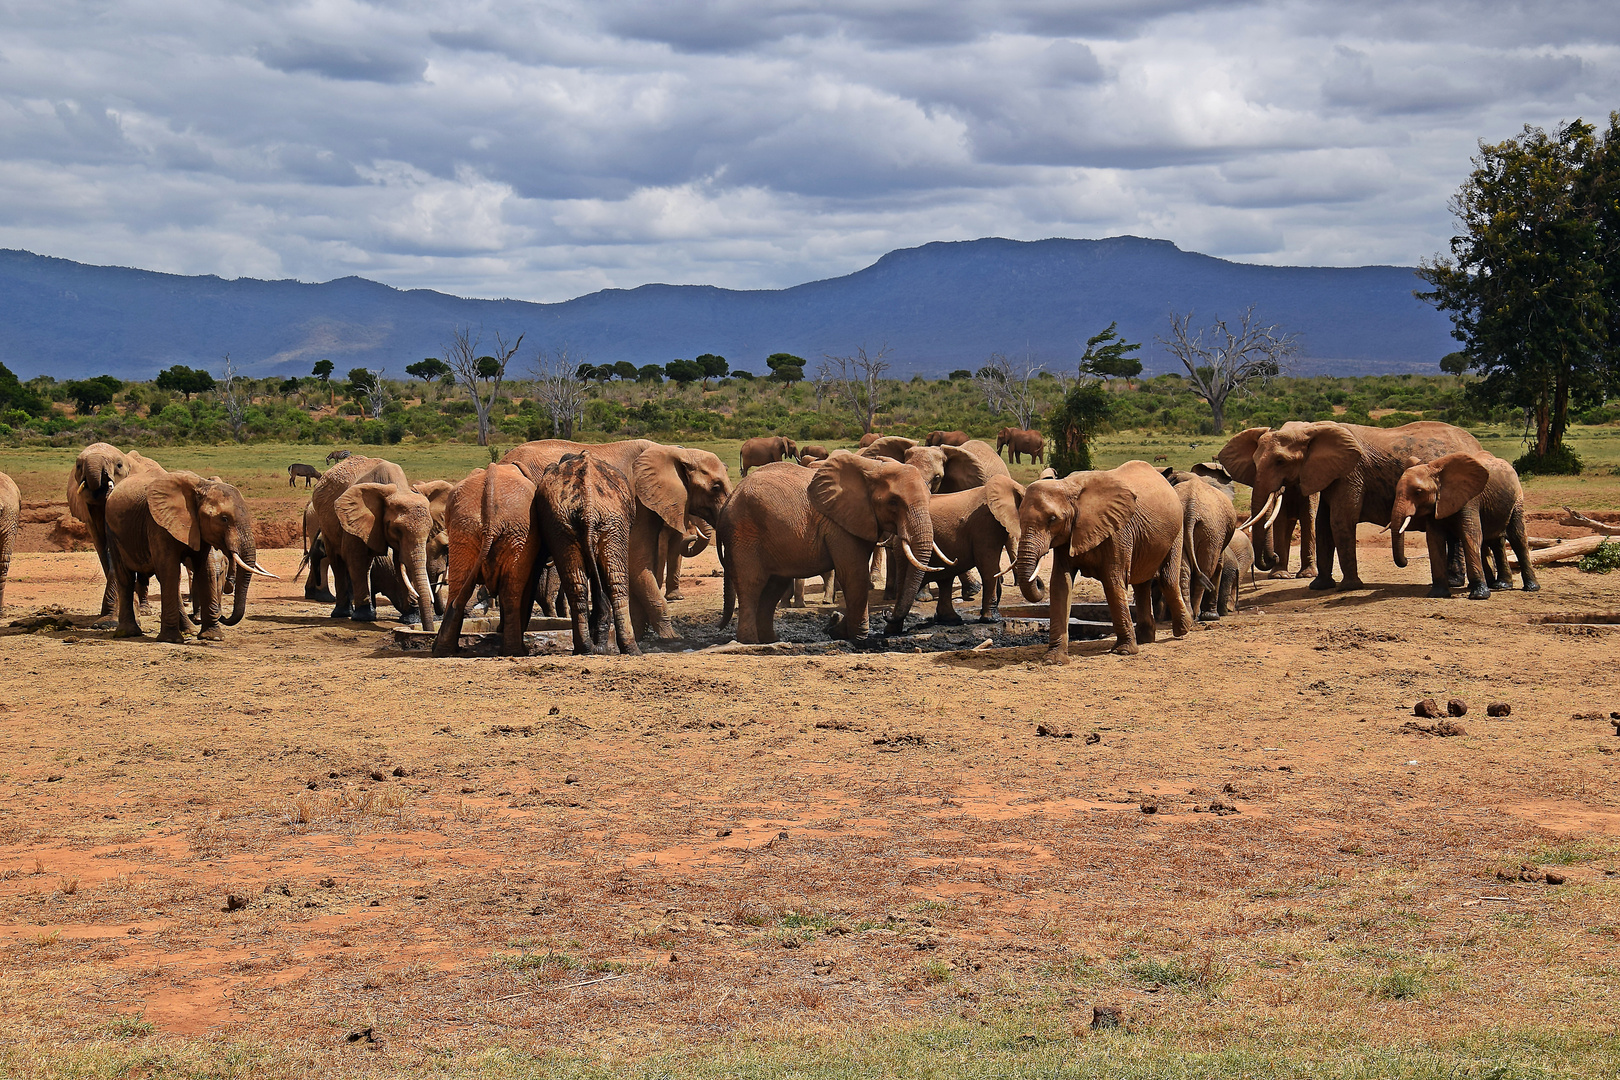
[1104,1017]
[1499,708]
[1457,707]
[1428,708]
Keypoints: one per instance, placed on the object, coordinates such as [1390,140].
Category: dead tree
[1229,363]
[481,375]
[852,381]
[1008,386]
[559,391]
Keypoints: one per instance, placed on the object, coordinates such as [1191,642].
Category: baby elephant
[1472,498]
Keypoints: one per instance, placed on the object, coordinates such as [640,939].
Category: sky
[541,150]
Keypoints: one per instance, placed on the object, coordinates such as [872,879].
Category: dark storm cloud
[511,148]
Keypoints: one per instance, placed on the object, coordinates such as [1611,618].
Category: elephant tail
[1189,549]
[593,567]
[487,508]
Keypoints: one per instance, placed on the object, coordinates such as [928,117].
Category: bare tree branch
[376,393]
[852,381]
[559,390]
[231,399]
[1008,387]
[482,375]
[1229,363]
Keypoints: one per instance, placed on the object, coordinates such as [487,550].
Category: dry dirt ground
[304,851]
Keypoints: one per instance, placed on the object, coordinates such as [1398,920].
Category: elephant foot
[951,619]
[1439,592]
[171,635]
[128,632]
[1125,648]
[410,618]
[146,607]
[676,595]
[1209,616]
[993,617]
[795,603]
[969,591]
[1479,592]
[211,633]
[1305,571]
[1531,586]
[1350,583]
[364,614]
[1500,584]
[1322,584]
[1058,655]
[341,611]
[324,596]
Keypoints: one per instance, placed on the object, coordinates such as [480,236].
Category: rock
[1104,1017]
[1093,739]
[1498,708]
[1428,708]
[1150,808]
[1221,809]
[1457,707]
[378,774]
[571,778]
[723,833]
[1043,731]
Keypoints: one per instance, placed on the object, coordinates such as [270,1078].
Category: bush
[1601,561]
[1561,462]
[1396,419]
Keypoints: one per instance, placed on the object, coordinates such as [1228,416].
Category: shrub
[1601,561]
[1396,419]
[1561,462]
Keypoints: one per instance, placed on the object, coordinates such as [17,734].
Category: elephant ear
[889,446]
[362,512]
[437,493]
[1237,456]
[1333,452]
[1105,504]
[963,470]
[1004,495]
[172,499]
[839,490]
[1462,477]
[1213,470]
[659,477]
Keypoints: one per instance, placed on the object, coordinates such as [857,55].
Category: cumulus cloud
[506,148]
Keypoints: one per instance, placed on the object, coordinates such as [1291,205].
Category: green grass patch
[1402,984]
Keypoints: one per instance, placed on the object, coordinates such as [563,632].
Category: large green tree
[1524,283]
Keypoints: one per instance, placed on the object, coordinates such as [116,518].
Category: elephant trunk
[1400,519]
[699,543]
[1032,548]
[1028,584]
[249,554]
[918,531]
[417,569]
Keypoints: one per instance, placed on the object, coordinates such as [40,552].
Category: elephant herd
[601,528]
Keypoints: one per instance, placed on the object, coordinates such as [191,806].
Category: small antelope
[308,472]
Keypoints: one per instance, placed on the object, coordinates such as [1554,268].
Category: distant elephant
[584,511]
[809,455]
[944,469]
[1021,441]
[1209,523]
[1236,561]
[786,522]
[946,438]
[1124,527]
[673,486]
[1476,501]
[1354,467]
[967,535]
[764,450]
[869,438]
[10,514]
[158,522]
[308,472]
[366,507]
[98,469]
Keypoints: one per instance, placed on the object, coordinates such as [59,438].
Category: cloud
[498,147]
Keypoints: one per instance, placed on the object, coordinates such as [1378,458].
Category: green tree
[713,367]
[785,367]
[323,371]
[1524,280]
[1072,425]
[289,386]
[428,369]
[649,373]
[180,379]
[960,373]
[1108,356]
[1455,363]
[683,372]
[625,371]
[360,382]
[15,396]
[88,395]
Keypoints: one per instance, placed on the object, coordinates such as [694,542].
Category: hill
[939,306]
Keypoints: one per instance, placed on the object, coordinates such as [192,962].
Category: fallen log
[1575,517]
[1569,549]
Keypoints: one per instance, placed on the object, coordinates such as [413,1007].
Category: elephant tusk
[1275,510]
[410,590]
[1404,524]
[254,569]
[1261,512]
[911,557]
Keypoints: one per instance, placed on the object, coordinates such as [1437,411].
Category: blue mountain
[938,307]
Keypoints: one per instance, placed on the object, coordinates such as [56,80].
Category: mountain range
[937,307]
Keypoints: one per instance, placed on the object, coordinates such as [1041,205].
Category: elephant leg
[143,582]
[769,598]
[1307,541]
[202,588]
[576,584]
[1521,548]
[615,578]
[798,593]
[511,591]
[1117,593]
[1344,545]
[1149,604]
[1226,600]
[645,591]
[1440,585]
[341,586]
[1181,616]
[852,624]
[172,612]
[1057,632]
[123,582]
[455,611]
[990,595]
[362,609]
[750,583]
[1470,538]
[1457,568]
[972,584]
[672,573]
[1324,547]
[944,610]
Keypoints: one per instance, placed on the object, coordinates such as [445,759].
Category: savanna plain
[303,851]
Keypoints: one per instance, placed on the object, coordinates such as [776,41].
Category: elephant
[672,549]
[1124,527]
[158,521]
[968,534]
[946,438]
[1271,545]
[10,515]
[583,512]
[1354,467]
[1210,521]
[1021,441]
[673,486]
[1472,499]
[766,449]
[316,558]
[944,468]
[869,438]
[809,455]
[99,468]
[1236,560]
[786,522]
[491,544]
[366,507]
